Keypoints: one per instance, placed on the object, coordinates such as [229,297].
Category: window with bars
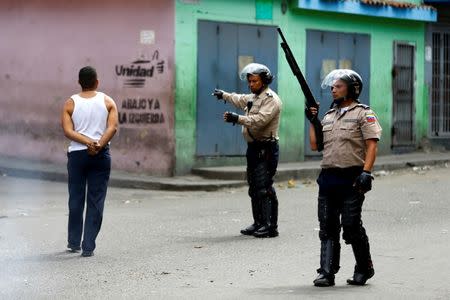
[403,94]
[440,93]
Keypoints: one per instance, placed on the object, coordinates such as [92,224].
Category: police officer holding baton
[350,135]
[260,129]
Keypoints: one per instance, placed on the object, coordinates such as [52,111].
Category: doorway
[403,97]
[223,50]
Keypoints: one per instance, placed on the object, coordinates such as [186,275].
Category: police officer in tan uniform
[351,132]
[260,129]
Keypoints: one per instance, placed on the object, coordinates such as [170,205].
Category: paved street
[156,244]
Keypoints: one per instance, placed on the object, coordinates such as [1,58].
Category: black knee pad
[262,193]
[323,235]
[353,234]
[330,227]
[261,176]
[322,210]
[349,235]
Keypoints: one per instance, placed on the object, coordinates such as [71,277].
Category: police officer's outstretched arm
[218,93]
[238,100]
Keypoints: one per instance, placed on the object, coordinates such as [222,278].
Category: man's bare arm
[371,154]
[112,122]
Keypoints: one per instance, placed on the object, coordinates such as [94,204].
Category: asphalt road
[166,245]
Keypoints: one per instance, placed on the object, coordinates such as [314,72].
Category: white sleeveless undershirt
[89,118]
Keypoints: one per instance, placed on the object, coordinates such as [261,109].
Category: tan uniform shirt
[344,135]
[262,121]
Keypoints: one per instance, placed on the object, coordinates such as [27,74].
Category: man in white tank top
[90,120]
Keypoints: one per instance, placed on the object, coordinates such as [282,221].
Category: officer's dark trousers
[93,172]
[340,205]
[262,162]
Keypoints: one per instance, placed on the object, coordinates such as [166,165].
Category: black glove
[363,182]
[309,115]
[218,94]
[231,117]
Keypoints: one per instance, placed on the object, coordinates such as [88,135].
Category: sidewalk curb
[205,185]
[211,178]
[33,174]
[311,172]
[120,181]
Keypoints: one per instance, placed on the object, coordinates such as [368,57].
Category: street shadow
[217,239]
[50,257]
[308,290]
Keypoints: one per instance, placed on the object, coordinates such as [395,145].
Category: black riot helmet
[350,77]
[257,69]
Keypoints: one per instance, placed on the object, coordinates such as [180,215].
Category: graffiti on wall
[142,111]
[136,73]
[137,110]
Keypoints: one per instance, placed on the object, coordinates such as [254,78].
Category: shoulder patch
[269,94]
[370,117]
[363,106]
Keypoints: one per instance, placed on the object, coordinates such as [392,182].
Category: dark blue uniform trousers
[93,172]
[338,197]
[262,162]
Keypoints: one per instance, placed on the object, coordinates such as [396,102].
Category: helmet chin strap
[261,90]
[337,101]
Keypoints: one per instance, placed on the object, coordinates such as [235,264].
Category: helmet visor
[333,76]
[254,69]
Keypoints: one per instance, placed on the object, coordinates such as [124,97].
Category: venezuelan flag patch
[371,118]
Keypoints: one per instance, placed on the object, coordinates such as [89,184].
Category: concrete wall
[45,43]
[295,22]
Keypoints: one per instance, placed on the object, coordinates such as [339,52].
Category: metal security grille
[403,95]
[440,93]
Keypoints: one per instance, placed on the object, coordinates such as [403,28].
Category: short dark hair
[87,77]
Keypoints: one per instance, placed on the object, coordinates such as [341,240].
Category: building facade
[385,43]
[45,43]
[161,60]
[437,66]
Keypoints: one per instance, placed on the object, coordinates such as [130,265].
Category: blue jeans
[93,171]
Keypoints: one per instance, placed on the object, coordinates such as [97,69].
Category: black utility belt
[355,171]
[262,143]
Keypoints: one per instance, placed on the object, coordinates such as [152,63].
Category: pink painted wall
[44,43]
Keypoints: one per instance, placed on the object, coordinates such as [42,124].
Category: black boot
[361,276]
[364,266]
[336,257]
[256,219]
[329,263]
[274,212]
[267,229]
